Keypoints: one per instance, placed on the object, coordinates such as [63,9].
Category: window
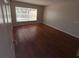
[25,14]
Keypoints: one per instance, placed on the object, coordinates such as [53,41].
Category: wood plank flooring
[42,41]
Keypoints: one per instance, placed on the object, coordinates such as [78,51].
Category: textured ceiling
[45,2]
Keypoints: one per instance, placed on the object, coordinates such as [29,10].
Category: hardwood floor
[42,41]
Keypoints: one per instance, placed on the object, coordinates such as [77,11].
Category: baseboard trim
[75,36]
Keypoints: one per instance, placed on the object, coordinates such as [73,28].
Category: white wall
[63,16]
[6,45]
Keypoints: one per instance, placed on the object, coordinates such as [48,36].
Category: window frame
[28,20]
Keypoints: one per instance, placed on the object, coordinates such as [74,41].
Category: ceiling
[39,2]
[44,2]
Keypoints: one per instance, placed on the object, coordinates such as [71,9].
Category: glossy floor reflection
[39,40]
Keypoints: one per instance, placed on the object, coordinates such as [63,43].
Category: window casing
[25,14]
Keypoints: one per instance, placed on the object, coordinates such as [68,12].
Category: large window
[25,14]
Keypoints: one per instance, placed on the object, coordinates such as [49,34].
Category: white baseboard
[76,36]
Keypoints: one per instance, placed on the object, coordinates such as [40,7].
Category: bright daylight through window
[25,14]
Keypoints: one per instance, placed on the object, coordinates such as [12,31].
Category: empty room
[39,28]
